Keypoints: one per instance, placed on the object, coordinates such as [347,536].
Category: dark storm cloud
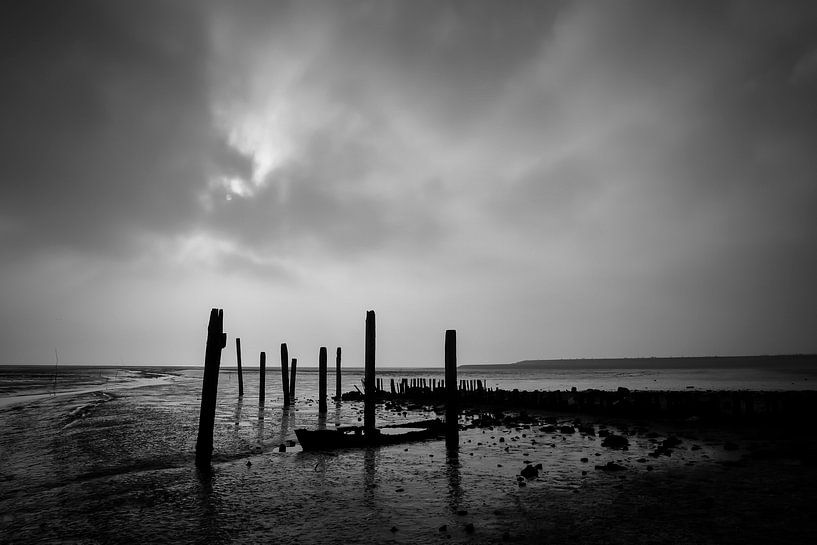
[106,122]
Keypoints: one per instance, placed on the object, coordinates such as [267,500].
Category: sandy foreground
[118,468]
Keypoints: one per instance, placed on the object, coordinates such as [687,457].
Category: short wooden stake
[292,379]
[238,361]
[368,379]
[285,373]
[322,380]
[451,409]
[216,341]
[262,378]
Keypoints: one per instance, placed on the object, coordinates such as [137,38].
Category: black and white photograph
[408,271]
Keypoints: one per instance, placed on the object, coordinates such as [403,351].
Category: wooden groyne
[721,404]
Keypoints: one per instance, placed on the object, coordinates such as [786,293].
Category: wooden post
[337,375]
[451,409]
[392,387]
[216,341]
[292,379]
[322,380]
[285,373]
[368,379]
[238,361]
[262,378]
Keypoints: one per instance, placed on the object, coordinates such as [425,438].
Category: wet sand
[117,467]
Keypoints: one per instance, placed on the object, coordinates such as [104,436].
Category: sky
[551,179]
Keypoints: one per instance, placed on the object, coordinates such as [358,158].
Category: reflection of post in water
[452,469]
[238,407]
[285,414]
[337,414]
[322,421]
[369,477]
[260,425]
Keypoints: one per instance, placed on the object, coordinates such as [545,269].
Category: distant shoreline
[694,362]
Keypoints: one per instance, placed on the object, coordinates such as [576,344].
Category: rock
[567,429]
[444,528]
[614,441]
[529,472]
[548,429]
[282,448]
[585,460]
[670,442]
[469,528]
[623,390]
[611,466]
[249,463]
[604,433]
[394,529]
[462,512]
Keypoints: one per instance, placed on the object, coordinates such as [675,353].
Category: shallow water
[115,465]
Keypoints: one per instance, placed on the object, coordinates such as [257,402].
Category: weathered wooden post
[285,373]
[292,379]
[337,375]
[368,378]
[322,380]
[216,341]
[238,361]
[262,378]
[451,409]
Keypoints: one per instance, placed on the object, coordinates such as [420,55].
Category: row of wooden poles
[217,340]
[414,385]
[288,376]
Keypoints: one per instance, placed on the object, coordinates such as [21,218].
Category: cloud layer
[553,179]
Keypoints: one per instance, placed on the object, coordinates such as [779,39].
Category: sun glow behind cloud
[572,179]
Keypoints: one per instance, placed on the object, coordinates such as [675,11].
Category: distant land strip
[714,362]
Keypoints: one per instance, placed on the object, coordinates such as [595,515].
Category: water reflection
[369,478]
[452,470]
[260,425]
[237,414]
[285,416]
[209,503]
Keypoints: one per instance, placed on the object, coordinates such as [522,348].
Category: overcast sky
[551,179]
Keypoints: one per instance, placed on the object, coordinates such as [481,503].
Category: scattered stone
[393,529]
[670,442]
[603,433]
[443,528]
[618,442]
[469,528]
[400,490]
[567,429]
[530,472]
[585,460]
[462,512]
[249,463]
[611,466]
[501,439]
[548,429]
[282,448]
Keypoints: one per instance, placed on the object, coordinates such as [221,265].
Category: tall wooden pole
[216,341]
[292,379]
[337,375]
[285,373]
[322,380]
[262,378]
[368,379]
[238,360]
[451,409]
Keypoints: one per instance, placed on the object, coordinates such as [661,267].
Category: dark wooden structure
[285,373]
[368,379]
[216,341]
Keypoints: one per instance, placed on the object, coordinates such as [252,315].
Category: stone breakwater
[708,405]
